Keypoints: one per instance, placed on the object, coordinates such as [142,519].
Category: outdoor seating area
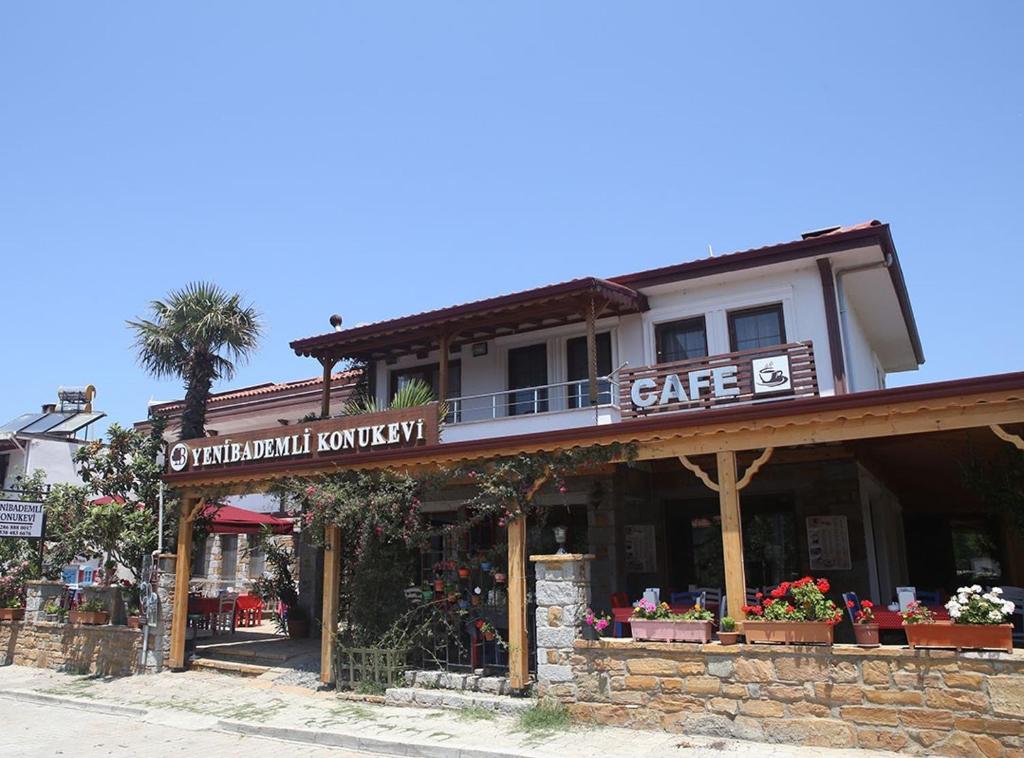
[224,613]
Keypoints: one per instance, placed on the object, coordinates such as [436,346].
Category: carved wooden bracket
[748,475]
[196,509]
[1014,439]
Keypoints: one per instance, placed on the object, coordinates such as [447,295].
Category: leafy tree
[199,334]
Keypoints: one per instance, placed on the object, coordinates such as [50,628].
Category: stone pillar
[39,592]
[563,594]
[160,641]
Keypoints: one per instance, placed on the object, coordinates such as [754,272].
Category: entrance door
[528,373]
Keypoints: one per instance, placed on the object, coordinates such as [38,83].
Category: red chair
[621,610]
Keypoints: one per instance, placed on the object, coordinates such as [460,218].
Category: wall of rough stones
[104,650]
[563,592]
[922,702]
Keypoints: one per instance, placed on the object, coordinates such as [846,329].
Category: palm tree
[412,394]
[198,333]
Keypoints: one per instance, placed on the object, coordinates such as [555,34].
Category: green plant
[95,605]
[278,584]
[728,624]
[696,613]
[52,608]
[545,717]
[197,333]
[802,600]
[12,603]
[12,586]
[917,613]
[972,606]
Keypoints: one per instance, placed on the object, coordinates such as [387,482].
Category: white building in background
[47,440]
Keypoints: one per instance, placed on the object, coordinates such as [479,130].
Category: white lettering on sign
[225,452]
[718,382]
[19,518]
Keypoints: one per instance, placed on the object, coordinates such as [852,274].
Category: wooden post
[732,535]
[325,400]
[442,368]
[329,612]
[518,639]
[592,351]
[182,569]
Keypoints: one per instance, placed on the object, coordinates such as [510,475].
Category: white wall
[55,457]
[864,372]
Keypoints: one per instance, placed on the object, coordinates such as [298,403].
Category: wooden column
[442,368]
[518,640]
[182,569]
[325,400]
[732,534]
[329,612]
[592,350]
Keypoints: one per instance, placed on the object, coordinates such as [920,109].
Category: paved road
[34,730]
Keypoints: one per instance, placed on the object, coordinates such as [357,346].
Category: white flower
[997,590]
[954,613]
[1008,606]
[976,588]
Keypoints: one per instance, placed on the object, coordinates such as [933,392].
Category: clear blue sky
[377,159]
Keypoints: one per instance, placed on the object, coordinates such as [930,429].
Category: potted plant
[727,633]
[657,623]
[865,630]
[499,577]
[595,624]
[53,613]
[90,613]
[463,572]
[12,595]
[297,622]
[977,620]
[12,610]
[794,613]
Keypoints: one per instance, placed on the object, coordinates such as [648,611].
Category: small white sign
[771,374]
[21,518]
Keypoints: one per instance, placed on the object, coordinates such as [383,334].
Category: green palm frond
[411,395]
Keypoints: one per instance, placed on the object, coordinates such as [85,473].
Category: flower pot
[960,636]
[866,634]
[463,573]
[788,632]
[428,595]
[439,585]
[489,636]
[298,629]
[12,614]
[589,632]
[453,597]
[89,618]
[729,638]
[667,630]
[475,599]
[500,578]
[485,566]
[134,622]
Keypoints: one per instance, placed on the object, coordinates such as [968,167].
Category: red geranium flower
[823,586]
[867,604]
[849,604]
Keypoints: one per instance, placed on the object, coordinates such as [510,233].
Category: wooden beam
[518,637]
[442,367]
[1014,439]
[182,568]
[325,399]
[835,336]
[701,473]
[329,611]
[732,535]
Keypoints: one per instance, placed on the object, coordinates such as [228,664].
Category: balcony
[531,409]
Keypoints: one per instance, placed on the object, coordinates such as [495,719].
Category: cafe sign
[337,438]
[745,377]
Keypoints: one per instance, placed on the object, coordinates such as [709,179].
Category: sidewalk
[200,701]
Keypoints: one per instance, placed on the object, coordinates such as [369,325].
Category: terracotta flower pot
[89,618]
[439,585]
[463,573]
[866,634]
[788,632]
[960,636]
[729,638]
[12,614]
[489,636]
[670,631]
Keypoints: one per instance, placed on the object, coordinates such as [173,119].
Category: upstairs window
[756,327]
[579,370]
[681,340]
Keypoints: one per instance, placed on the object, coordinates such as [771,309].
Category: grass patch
[544,718]
[476,713]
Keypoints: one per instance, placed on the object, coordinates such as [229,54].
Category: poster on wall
[641,557]
[828,543]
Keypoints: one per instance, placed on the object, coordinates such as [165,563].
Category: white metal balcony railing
[562,396]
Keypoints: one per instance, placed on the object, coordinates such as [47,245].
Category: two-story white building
[756,377]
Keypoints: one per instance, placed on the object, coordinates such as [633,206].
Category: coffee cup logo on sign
[771,374]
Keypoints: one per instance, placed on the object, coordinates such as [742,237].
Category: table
[887,619]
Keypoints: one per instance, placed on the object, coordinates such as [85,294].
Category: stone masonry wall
[563,592]
[920,702]
[104,650]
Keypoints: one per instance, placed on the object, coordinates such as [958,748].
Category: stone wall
[563,592]
[104,650]
[922,702]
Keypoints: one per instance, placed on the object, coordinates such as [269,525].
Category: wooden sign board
[332,439]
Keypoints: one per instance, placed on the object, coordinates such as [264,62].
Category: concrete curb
[362,743]
[74,702]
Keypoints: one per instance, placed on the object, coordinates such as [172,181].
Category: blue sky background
[376,159]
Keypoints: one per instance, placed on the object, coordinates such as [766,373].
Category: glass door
[527,375]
